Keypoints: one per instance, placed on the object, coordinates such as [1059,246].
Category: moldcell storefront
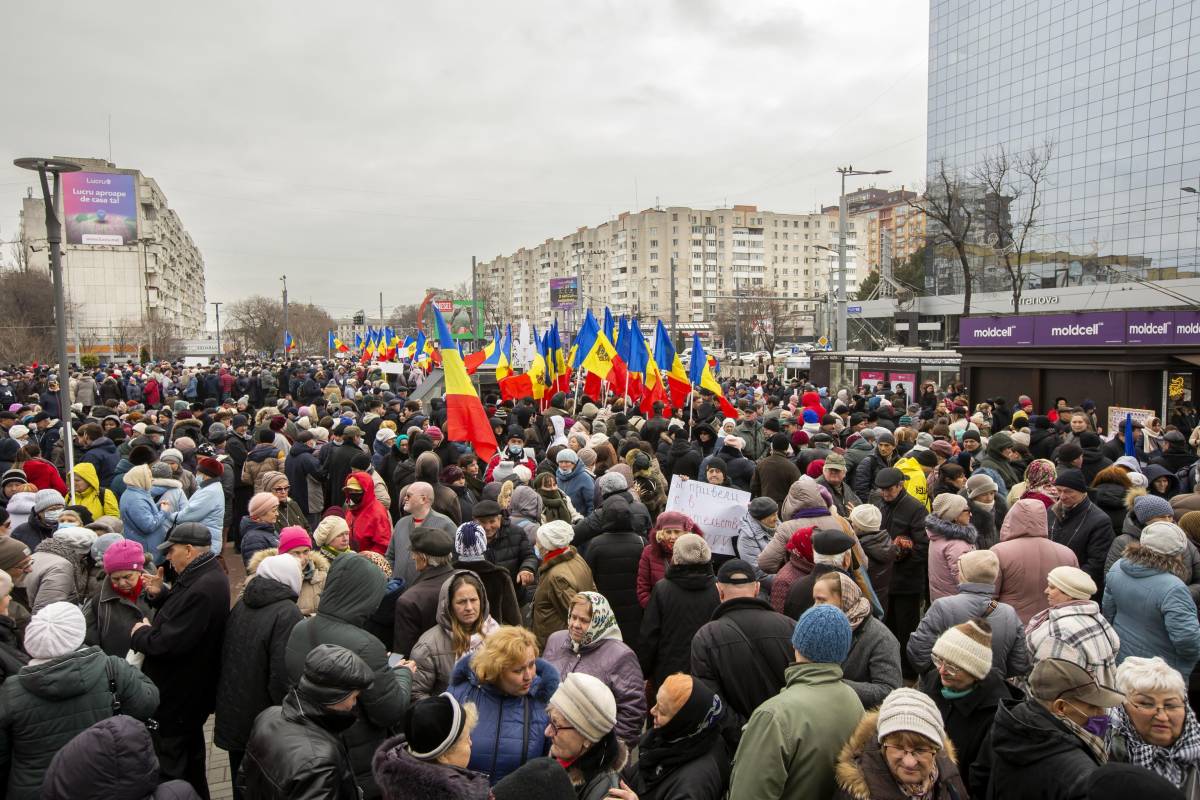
[1131,359]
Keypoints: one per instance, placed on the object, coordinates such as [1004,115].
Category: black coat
[253,670]
[500,590]
[680,604]
[111,617]
[773,477]
[302,464]
[291,755]
[613,557]
[906,517]
[12,657]
[800,594]
[183,646]
[416,610]
[593,524]
[511,549]
[1088,531]
[1033,756]
[742,653]
[338,469]
[864,473]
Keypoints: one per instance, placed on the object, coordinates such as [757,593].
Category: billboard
[564,293]
[99,208]
[1083,328]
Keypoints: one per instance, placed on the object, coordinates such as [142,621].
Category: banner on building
[564,293]
[99,208]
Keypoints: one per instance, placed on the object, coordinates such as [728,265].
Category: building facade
[705,260]
[1112,89]
[122,296]
[890,229]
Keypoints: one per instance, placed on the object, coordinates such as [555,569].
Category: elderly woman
[656,556]
[1038,484]
[951,534]
[510,686]
[592,645]
[290,513]
[872,669]
[432,753]
[332,537]
[580,728]
[899,751]
[683,754]
[463,622]
[121,603]
[561,576]
[1155,728]
[1073,627]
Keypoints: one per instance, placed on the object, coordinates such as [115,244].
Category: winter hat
[979,566]
[1190,523]
[470,542]
[434,433]
[865,518]
[385,435]
[210,466]
[262,503]
[1068,453]
[160,470]
[1020,438]
[588,456]
[926,458]
[611,482]
[185,444]
[967,646]
[12,552]
[539,777]
[1128,462]
[123,555]
[949,505]
[691,549]
[293,536]
[55,631]
[282,568]
[596,439]
[217,432]
[171,456]
[979,485]
[329,529]
[1165,538]
[587,704]
[1148,506]
[521,473]
[884,436]
[1137,480]
[78,539]
[46,498]
[909,711]
[432,726]
[763,507]
[554,535]
[331,673]
[18,432]
[1073,582]
[566,454]
[942,448]
[822,635]
[271,479]
[1072,479]
[102,543]
[924,440]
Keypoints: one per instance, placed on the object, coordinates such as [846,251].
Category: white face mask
[986,506]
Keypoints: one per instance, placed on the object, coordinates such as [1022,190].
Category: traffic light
[360,318]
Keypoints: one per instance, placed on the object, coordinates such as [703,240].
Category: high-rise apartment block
[706,258]
[130,269]
[890,229]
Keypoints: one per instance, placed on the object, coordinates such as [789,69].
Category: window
[674,218]
[654,242]
[653,269]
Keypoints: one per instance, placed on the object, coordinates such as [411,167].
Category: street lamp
[56,167]
[840,337]
[1192,190]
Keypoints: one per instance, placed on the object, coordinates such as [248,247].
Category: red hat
[293,536]
[210,466]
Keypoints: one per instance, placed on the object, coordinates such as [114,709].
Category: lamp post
[1192,190]
[217,306]
[56,167]
[840,336]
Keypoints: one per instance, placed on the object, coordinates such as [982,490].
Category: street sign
[854,310]
[823,341]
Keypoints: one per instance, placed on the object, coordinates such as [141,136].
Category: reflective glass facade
[1115,86]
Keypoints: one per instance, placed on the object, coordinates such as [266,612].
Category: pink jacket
[1026,556]
[947,543]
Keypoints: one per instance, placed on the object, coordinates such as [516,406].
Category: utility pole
[285,317]
[381,311]
[218,307]
[674,317]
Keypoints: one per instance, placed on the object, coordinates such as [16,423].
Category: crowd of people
[938,597]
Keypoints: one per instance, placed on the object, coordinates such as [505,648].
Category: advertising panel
[564,294]
[99,208]
[868,376]
[1074,330]
[995,331]
[1083,329]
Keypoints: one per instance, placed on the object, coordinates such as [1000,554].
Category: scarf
[924,789]
[805,513]
[1097,746]
[1170,762]
[604,622]
[688,735]
[201,560]
[133,594]
[856,607]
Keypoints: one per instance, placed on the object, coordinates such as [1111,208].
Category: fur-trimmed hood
[937,527]
[400,774]
[862,769]
[1139,559]
[320,563]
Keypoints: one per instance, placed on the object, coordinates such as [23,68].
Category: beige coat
[310,590]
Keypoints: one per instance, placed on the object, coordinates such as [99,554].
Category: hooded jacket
[580,487]
[914,480]
[1034,755]
[353,591]
[863,774]
[102,502]
[1026,556]
[948,541]
[1151,610]
[370,525]
[434,651]
[312,581]
[264,458]
[102,454]
[803,507]
[1189,571]
[144,521]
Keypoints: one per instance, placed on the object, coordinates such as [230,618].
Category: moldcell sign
[1102,328]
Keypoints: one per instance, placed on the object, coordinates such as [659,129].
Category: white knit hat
[587,704]
[865,518]
[554,535]
[56,630]
[283,568]
[909,711]
[1073,582]
[967,646]
[78,539]
[1166,538]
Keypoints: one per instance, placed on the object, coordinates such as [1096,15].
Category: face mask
[986,506]
[339,721]
[52,515]
[516,452]
[353,498]
[1097,726]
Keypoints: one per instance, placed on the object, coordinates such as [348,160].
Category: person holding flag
[466,421]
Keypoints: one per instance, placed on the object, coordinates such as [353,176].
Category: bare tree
[948,203]
[27,311]
[404,318]
[258,320]
[763,318]
[19,255]
[309,326]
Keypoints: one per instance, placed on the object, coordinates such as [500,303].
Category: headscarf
[1040,476]
[687,736]
[604,622]
[1170,762]
[139,477]
[856,607]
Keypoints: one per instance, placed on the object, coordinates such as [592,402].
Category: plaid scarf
[1170,762]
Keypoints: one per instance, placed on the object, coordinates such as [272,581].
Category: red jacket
[370,525]
[652,568]
[43,475]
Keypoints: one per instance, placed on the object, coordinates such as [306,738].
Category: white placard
[716,509]
[1116,418]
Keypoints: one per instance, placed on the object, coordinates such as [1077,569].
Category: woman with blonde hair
[463,623]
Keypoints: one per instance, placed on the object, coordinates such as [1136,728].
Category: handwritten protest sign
[716,509]
[1116,417]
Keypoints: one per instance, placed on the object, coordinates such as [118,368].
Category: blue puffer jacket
[580,486]
[256,536]
[511,729]
[144,521]
[1151,610]
[206,506]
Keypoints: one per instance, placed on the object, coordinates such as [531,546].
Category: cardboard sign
[1116,418]
[716,509]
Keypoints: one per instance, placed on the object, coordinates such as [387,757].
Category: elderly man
[833,478]
[416,610]
[183,649]
[418,508]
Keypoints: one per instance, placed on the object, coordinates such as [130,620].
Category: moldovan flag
[489,355]
[702,378]
[504,363]
[466,421]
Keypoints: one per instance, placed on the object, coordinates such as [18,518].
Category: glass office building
[1114,86]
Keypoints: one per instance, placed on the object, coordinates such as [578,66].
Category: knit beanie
[329,529]
[909,711]
[691,549]
[124,555]
[822,635]
[102,543]
[293,536]
[588,456]
[566,454]
[1190,523]
[282,568]
[1165,538]
[432,726]
[980,484]
[948,506]
[470,542]
[1073,582]
[968,646]
[12,552]
[55,631]
[262,503]
[1149,506]
[865,518]
[554,535]
[185,444]
[587,704]
[979,566]
[46,498]
[763,507]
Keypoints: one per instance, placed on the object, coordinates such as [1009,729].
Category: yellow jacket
[91,498]
[914,480]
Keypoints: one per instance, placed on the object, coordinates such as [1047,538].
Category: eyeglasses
[919,753]
[555,727]
[947,669]
[282,489]
[1153,708]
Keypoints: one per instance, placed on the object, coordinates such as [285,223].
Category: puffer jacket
[256,536]
[1078,632]
[914,480]
[610,660]
[56,575]
[353,591]
[1026,556]
[948,541]
[802,508]
[46,705]
[253,673]
[110,617]
[681,603]
[1189,571]
[580,487]
[1151,610]
[1033,754]
[312,581]
[100,501]
[206,506]
[863,774]
[1009,653]
[560,577]
[102,454]
[864,473]
[511,729]
[113,758]
[400,774]
[262,459]
[145,523]
[434,651]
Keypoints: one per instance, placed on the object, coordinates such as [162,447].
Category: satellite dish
[905,298]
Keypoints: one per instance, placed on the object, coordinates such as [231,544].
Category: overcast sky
[379,145]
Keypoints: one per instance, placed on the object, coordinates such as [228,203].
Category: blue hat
[822,635]
[1148,506]
[470,542]
[810,416]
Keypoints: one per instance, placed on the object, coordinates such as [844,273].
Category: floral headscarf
[856,607]
[604,622]
[1040,475]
